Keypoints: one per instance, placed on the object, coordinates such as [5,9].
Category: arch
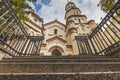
[56,52]
[56,47]
[31,33]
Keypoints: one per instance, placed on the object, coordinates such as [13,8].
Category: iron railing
[13,37]
[105,39]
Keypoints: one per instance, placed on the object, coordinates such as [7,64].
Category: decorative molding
[56,38]
[34,15]
[55,21]
[56,47]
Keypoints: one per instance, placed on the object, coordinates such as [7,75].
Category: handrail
[13,36]
[105,39]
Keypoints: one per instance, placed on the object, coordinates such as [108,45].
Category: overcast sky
[50,10]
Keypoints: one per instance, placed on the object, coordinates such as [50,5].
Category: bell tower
[76,25]
[72,13]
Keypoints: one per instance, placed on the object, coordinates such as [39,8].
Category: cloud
[90,9]
[52,9]
[31,4]
[55,9]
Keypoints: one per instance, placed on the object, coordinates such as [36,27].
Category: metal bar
[27,46]
[113,31]
[17,36]
[93,46]
[78,46]
[23,47]
[9,30]
[96,44]
[106,37]
[13,36]
[109,34]
[102,44]
[89,48]
[84,48]
[6,27]
[17,40]
[5,21]
[30,47]
[103,39]
[114,25]
[116,20]
[4,14]
[18,45]
[9,46]
[8,5]
[21,44]
[38,47]
[32,52]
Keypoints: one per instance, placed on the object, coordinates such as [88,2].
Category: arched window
[56,52]
[55,31]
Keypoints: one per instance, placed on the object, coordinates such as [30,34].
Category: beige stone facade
[59,37]
[34,26]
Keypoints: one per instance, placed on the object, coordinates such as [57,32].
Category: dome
[69,6]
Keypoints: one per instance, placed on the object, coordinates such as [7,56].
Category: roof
[35,15]
[91,21]
[56,38]
[69,4]
[55,21]
[31,27]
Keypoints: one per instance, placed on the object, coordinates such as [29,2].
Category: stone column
[73,41]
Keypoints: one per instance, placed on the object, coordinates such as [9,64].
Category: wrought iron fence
[105,39]
[13,37]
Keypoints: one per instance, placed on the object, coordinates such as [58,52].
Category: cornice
[31,27]
[55,21]
[35,15]
[56,38]
[76,16]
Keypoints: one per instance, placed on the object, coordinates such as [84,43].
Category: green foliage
[106,5]
[32,0]
[20,6]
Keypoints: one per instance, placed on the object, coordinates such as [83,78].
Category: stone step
[65,59]
[62,76]
[59,67]
[58,60]
[60,64]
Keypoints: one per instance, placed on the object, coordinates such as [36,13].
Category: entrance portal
[56,52]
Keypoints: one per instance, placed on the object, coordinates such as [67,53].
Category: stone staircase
[83,67]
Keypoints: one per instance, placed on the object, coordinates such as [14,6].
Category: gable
[54,23]
[56,38]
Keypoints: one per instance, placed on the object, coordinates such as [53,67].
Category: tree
[20,6]
[107,5]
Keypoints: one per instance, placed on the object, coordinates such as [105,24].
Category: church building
[59,38]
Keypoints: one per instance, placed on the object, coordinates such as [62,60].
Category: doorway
[56,52]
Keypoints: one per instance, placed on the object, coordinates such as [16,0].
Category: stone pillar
[74,43]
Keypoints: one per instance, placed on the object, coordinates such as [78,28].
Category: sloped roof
[55,21]
[56,38]
[33,14]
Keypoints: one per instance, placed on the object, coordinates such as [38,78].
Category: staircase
[83,67]
[26,64]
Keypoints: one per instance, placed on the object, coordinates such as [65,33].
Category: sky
[50,10]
